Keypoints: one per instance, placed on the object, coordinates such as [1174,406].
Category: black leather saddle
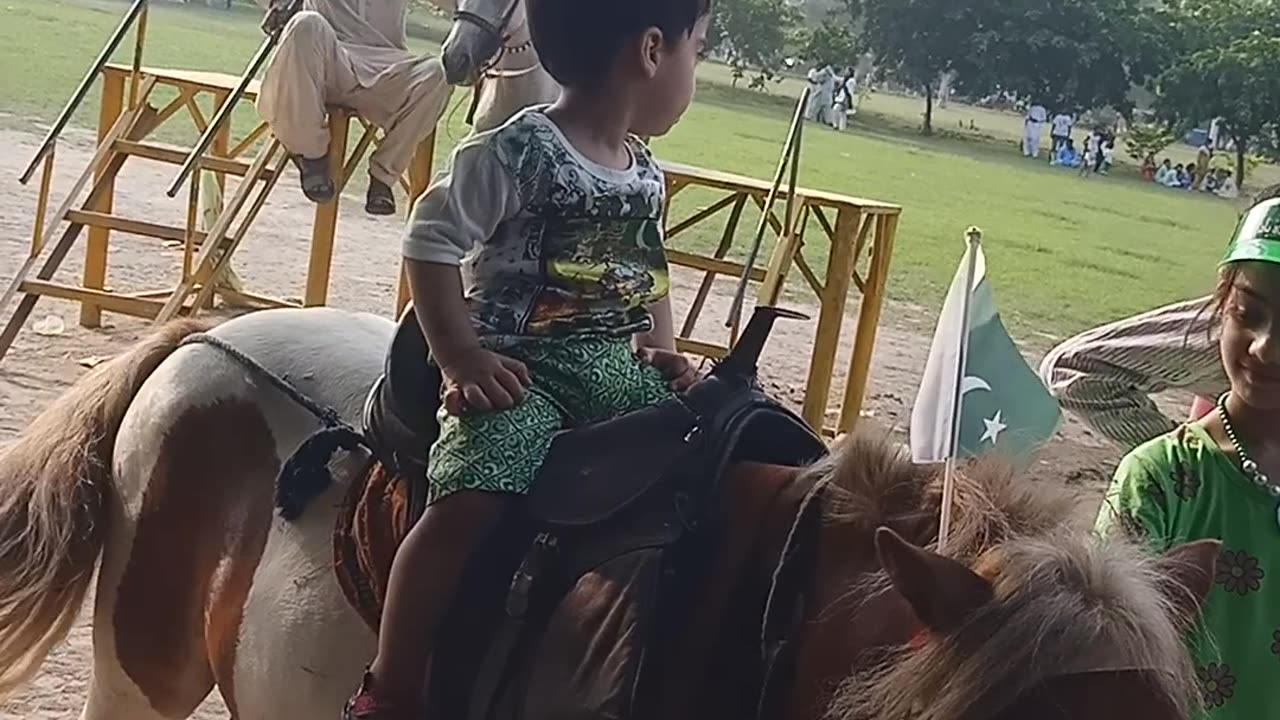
[595,470]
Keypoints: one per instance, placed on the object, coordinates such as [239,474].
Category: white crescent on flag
[971,383]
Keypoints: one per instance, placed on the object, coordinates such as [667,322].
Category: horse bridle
[495,32]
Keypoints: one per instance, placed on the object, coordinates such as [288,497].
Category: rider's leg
[478,465]
[423,580]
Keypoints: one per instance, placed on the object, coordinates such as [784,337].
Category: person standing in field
[1204,155]
[846,95]
[822,85]
[1033,126]
[1060,130]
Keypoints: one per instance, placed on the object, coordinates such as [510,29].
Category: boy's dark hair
[578,40]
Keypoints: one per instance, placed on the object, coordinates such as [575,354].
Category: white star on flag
[995,426]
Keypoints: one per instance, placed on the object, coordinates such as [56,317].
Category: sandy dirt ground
[274,260]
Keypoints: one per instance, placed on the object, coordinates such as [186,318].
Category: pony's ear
[941,591]
[1189,569]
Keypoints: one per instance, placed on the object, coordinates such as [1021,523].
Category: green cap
[1257,236]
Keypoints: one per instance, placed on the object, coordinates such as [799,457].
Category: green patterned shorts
[575,381]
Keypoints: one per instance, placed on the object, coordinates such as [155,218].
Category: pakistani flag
[1002,403]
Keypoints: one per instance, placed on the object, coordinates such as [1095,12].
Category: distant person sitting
[1164,172]
[1149,167]
[1212,181]
[1187,180]
[1227,188]
[1067,156]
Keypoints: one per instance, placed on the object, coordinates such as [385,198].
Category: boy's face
[1251,335]
[668,78]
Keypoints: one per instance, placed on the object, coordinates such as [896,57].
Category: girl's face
[1251,335]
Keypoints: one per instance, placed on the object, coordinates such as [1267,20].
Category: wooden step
[136,227]
[175,156]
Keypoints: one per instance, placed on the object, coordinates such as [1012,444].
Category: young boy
[539,277]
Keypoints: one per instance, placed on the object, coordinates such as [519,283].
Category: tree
[753,35]
[918,40]
[1144,140]
[1067,55]
[1226,56]
[1237,81]
[830,43]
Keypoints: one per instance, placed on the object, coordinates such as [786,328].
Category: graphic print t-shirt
[550,244]
[1181,487]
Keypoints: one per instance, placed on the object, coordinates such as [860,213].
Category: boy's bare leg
[424,578]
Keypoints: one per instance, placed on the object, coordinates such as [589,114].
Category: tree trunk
[928,109]
[1241,147]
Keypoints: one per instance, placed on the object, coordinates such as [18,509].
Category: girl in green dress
[1219,477]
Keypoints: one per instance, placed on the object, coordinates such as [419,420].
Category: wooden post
[868,321]
[326,222]
[42,203]
[419,180]
[95,258]
[835,295]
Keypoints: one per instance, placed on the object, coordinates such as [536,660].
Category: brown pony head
[1023,617]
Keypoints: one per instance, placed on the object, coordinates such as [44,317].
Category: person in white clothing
[1060,131]
[1034,125]
[349,53]
[1228,188]
[846,95]
[822,87]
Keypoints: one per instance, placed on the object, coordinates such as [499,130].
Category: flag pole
[973,238]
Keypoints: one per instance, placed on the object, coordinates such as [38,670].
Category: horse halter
[495,32]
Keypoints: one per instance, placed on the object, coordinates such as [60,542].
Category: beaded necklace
[1247,464]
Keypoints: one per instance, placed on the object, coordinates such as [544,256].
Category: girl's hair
[578,40]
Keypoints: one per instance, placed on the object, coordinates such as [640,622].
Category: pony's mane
[1060,597]
[874,483]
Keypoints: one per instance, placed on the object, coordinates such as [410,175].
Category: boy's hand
[675,368]
[479,380]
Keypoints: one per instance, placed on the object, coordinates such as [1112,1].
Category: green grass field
[1063,253]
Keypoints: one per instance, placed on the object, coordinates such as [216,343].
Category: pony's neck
[517,81]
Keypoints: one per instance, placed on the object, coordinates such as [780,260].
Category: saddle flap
[593,472]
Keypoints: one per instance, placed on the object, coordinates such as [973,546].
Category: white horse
[199,585]
[496,57]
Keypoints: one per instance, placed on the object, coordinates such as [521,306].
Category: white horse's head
[480,27]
